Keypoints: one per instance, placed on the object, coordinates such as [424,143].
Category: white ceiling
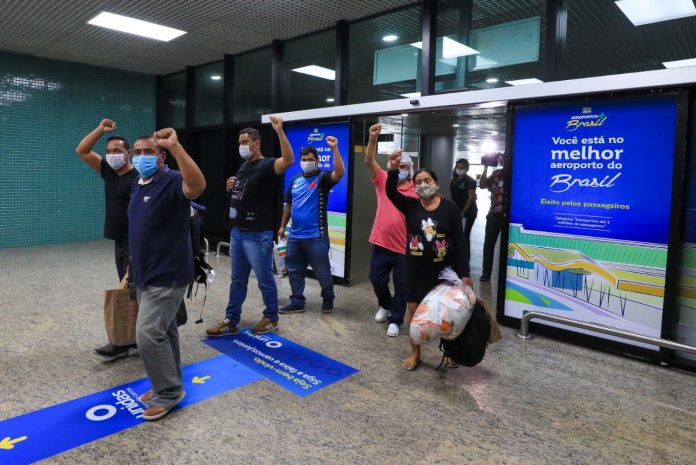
[58,28]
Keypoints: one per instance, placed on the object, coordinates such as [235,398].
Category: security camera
[414,102]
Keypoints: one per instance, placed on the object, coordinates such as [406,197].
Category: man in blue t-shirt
[162,260]
[308,239]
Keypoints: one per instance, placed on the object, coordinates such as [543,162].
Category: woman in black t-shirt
[463,190]
[435,239]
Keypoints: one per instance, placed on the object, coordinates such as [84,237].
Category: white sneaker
[393,330]
[381,315]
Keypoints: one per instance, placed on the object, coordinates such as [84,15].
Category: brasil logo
[587,120]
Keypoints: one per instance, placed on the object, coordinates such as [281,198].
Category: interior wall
[46,107]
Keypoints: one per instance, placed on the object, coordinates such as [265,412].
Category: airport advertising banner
[337,209]
[590,211]
[686,319]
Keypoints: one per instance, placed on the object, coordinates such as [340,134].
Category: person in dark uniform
[119,175]
[463,191]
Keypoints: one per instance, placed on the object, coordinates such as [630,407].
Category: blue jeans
[383,262]
[252,250]
[315,252]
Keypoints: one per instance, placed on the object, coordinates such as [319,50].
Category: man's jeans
[315,252]
[252,250]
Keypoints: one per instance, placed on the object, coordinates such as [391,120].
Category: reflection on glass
[251,88]
[481,44]
[384,57]
[209,92]
[309,74]
[601,40]
[174,114]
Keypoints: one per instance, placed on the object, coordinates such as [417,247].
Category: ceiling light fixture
[492,80]
[216,77]
[641,12]
[680,63]
[135,26]
[330,99]
[404,114]
[390,38]
[317,71]
[455,125]
[411,95]
[524,82]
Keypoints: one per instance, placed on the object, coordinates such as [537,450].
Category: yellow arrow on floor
[201,380]
[8,443]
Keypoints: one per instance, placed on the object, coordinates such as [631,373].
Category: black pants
[469,220]
[494,224]
[122,256]
[383,263]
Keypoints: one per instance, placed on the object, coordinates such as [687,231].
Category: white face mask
[308,167]
[245,152]
[116,160]
[460,172]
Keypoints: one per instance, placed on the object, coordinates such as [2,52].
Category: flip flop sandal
[412,366]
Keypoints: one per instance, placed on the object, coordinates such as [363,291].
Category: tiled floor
[528,402]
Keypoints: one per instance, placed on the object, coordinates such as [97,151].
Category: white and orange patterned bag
[444,312]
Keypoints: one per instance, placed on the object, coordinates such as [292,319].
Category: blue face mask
[403,175]
[145,164]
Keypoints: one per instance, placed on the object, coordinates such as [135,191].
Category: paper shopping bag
[120,314]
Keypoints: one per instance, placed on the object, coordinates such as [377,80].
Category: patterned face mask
[427,191]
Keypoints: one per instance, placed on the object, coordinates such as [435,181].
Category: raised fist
[166,138]
[107,125]
[375,130]
[332,141]
[395,159]
[276,122]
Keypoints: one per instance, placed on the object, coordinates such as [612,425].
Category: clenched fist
[395,159]
[332,141]
[375,130]
[107,125]
[276,122]
[166,138]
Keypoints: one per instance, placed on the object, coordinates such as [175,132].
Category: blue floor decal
[287,364]
[44,433]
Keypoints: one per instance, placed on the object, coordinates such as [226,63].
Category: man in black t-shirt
[252,205]
[119,175]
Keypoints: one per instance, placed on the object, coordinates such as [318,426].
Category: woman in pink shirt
[388,239]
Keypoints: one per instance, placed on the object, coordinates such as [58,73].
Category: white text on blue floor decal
[44,433]
[284,362]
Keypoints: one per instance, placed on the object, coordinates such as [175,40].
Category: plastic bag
[444,312]
[279,253]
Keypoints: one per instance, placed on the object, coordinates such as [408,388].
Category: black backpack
[469,347]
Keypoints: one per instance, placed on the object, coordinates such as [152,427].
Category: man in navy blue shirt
[308,239]
[162,260]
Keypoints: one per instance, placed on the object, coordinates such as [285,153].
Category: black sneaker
[485,277]
[327,306]
[111,352]
[292,308]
